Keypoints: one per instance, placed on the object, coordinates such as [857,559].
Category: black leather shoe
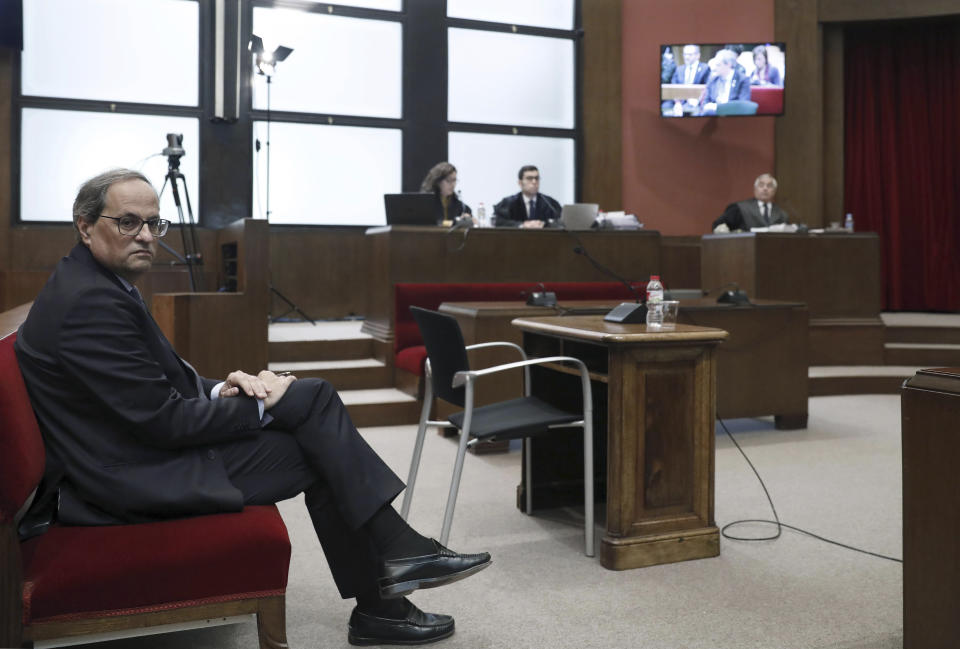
[416,628]
[399,577]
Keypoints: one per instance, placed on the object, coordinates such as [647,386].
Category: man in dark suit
[728,84]
[529,208]
[133,434]
[693,71]
[754,213]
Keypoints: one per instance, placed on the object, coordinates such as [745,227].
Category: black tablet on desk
[410,209]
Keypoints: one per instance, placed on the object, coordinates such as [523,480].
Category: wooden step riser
[384,414]
[351,378]
[923,335]
[320,350]
[838,385]
[919,357]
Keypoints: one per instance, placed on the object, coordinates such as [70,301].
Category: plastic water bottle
[654,303]
[848,222]
[481,215]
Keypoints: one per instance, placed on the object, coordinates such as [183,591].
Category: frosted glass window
[116,50]
[386,5]
[557,14]
[327,175]
[514,79]
[487,166]
[339,65]
[60,149]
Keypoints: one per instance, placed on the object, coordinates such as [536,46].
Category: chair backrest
[446,351]
[21,449]
[737,107]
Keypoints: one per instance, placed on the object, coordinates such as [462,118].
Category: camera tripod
[188,234]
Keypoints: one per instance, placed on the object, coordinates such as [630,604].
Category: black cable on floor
[780,525]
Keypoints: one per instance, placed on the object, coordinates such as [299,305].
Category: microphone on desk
[730,294]
[543,297]
[626,312]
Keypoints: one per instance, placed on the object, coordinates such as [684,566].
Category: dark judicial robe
[512,211]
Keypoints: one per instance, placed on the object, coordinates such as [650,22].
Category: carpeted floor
[839,478]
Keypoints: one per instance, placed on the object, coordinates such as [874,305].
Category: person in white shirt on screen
[692,71]
[728,84]
[758,212]
[528,208]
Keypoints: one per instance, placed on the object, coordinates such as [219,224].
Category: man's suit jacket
[512,211]
[123,420]
[739,89]
[744,215]
[700,76]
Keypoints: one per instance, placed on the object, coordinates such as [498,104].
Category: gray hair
[92,195]
[727,56]
[762,176]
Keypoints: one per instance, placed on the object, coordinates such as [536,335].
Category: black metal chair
[448,376]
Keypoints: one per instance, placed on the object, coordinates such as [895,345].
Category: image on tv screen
[707,80]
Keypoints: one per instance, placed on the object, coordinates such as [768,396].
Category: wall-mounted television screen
[706,80]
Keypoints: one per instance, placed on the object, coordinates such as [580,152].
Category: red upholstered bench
[409,352]
[122,579]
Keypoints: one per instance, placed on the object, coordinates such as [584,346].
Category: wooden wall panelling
[833,121]
[798,133]
[324,271]
[601,171]
[6,95]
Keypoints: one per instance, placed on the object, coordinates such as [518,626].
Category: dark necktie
[766,213]
[533,209]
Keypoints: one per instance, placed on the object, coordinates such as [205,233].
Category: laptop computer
[579,216]
[410,209]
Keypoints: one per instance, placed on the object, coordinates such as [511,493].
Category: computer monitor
[410,209]
[579,216]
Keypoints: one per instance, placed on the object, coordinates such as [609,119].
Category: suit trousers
[312,446]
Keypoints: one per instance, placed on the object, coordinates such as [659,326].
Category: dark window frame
[224,150]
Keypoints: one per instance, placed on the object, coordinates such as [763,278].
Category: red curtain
[902,157]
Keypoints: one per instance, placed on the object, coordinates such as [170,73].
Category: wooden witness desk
[761,369]
[655,395]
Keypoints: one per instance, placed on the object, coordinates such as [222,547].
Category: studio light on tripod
[266,61]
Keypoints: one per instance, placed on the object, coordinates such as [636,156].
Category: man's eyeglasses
[131,225]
